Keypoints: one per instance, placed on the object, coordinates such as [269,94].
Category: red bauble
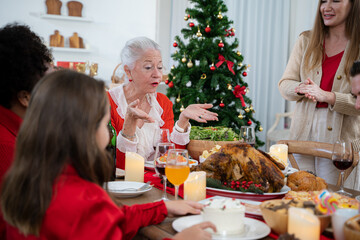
[221,44]
[212,68]
[207,29]
[171,84]
[226,35]
[175,44]
[222,105]
[244,74]
[191,24]
[249,122]
[166,81]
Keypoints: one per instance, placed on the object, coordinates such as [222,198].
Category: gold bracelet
[127,136]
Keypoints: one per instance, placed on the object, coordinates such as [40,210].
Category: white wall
[115,21]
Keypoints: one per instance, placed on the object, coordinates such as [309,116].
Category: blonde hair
[315,52]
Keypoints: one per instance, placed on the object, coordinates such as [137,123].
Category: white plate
[120,173]
[115,186]
[254,229]
[252,208]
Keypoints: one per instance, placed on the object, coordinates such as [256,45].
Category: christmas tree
[210,68]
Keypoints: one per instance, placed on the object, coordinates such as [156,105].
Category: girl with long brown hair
[54,189]
[317,78]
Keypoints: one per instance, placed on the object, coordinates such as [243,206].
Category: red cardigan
[118,122]
[9,128]
[83,210]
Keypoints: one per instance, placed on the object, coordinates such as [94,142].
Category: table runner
[156,181]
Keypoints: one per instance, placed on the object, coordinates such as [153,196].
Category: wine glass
[177,167]
[247,135]
[161,153]
[161,136]
[342,159]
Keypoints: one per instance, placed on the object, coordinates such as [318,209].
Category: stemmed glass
[177,168]
[162,136]
[247,135]
[161,153]
[342,158]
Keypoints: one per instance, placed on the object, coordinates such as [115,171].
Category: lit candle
[195,186]
[304,224]
[134,167]
[281,152]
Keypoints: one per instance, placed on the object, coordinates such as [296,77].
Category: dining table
[165,229]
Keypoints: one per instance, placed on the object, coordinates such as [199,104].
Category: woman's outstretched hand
[199,113]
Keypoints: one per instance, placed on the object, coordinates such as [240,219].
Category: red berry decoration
[212,68]
[175,44]
[249,122]
[208,29]
[244,74]
[171,84]
[221,44]
[222,105]
[232,34]
[191,24]
[166,81]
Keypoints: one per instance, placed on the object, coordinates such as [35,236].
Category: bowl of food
[352,228]
[275,214]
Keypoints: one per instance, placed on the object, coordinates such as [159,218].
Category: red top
[118,122]
[329,68]
[83,210]
[9,128]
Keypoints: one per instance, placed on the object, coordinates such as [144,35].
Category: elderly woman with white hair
[138,111]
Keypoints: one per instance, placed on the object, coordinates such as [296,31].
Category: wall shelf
[70,50]
[66,18]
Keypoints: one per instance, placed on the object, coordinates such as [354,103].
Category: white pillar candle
[304,224]
[281,152]
[195,186]
[134,167]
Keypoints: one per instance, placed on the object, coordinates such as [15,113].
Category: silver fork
[143,187]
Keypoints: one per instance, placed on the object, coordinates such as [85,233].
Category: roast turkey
[241,162]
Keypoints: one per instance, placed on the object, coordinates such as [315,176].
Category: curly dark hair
[24,60]
[355,69]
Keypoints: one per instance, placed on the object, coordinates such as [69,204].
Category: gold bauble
[247,109]
[261,128]
[203,76]
[238,53]
[184,59]
[240,64]
[247,90]
[251,108]
[182,108]
[190,64]
[233,29]
[240,116]
[186,18]
[229,87]
[178,100]
[219,16]
[198,34]
[173,67]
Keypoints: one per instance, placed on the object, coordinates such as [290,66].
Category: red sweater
[9,127]
[118,122]
[83,210]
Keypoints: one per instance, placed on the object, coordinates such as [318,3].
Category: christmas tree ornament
[178,98]
[186,18]
[251,108]
[172,67]
[249,122]
[176,52]
[238,53]
[247,90]
[175,44]
[240,116]
[220,16]
[244,74]
[261,129]
[232,29]
[212,68]
[203,76]
[207,29]
[171,84]
[240,64]
[221,44]
[191,24]
[167,81]
[229,87]
[246,109]
[190,64]
[182,108]
[222,104]
[174,77]
[184,60]
[198,34]
[232,34]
